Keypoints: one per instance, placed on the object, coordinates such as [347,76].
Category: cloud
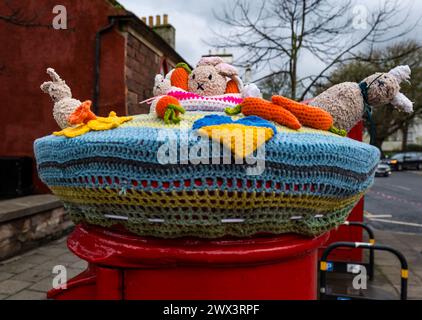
[194,19]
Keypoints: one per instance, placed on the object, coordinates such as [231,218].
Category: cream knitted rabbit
[345,101]
[60,93]
[209,78]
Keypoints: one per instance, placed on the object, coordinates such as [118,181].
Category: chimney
[165,30]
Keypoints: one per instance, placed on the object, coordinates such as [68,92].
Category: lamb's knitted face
[383,89]
[206,81]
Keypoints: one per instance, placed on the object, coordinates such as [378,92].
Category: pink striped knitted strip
[180,95]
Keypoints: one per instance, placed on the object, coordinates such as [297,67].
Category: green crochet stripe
[262,222]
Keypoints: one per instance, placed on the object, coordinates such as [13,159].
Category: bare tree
[388,121]
[276,34]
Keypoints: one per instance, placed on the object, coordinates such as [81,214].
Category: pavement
[410,245]
[30,276]
[386,283]
[395,203]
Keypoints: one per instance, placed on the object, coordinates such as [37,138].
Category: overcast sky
[194,19]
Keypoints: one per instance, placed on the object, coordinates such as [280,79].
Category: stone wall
[168,33]
[28,222]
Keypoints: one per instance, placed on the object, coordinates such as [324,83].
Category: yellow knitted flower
[99,124]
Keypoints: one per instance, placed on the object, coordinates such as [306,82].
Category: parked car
[405,160]
[383,170]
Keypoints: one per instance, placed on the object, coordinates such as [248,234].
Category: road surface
[395,203]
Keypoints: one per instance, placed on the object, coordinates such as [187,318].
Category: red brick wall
[128,68]
[142,64]
[26,112]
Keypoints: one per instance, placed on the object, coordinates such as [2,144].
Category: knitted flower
[98,124]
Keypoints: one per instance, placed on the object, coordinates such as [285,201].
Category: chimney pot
[144,19]
[166,31]
[151,21]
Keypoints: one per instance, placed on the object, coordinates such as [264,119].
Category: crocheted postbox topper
[111,173]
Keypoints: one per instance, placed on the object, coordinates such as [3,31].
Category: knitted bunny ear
[210,61]
[158,78]
[401,73]
[45,86]
[53,74]
[402,103]
[226,70]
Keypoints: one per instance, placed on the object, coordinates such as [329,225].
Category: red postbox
[345,233]
[124,266]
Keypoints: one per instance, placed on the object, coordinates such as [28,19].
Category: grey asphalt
[395,203]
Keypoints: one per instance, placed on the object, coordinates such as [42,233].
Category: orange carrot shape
[168,108]
[180,76]
[309,116]
[232,87]
[266,110]
[82,114]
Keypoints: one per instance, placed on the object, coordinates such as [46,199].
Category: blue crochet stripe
[142,144]
[54,173]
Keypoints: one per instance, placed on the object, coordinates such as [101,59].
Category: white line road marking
[404,188]
[409,224]
[394,198]
[377,216]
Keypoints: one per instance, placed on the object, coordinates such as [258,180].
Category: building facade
[106,54]
[414,137]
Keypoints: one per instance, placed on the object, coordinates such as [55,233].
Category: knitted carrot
[168,108]
[180,76]
[232,87]
[309,116]
[266,110]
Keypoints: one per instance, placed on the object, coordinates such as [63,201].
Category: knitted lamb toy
[347,102]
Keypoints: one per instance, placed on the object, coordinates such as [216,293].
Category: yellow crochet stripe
[240,139]
[221,200]
[151,121]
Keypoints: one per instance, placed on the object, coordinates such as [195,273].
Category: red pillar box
[124,266]
[345,233]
